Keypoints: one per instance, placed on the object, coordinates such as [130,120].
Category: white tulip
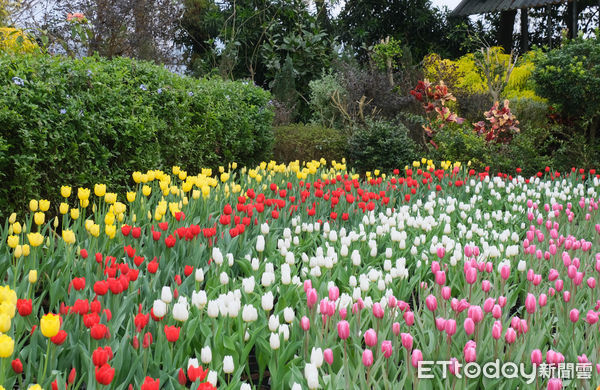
[199,299]
[180,312]
[260,243]
[193,363]
[264,229]
[249,314]
[288,315]
[223,278]
[165,295]
[199,275]
[213,309]
[267,301]
[273,322]
[212,378]
[274,341]
[228,366]
[311,373]
[217,256]
[206,355]
[316,357]
[159,308]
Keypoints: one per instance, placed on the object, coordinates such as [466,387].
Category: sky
[447,3]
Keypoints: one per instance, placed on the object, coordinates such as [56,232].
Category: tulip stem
[347,373]
[46,361]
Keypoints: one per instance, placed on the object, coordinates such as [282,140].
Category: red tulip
[60,337]
[17,366]
[24,307]
[172,333]
[150,384]
[105,374]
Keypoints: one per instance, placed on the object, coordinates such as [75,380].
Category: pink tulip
[367,358]
[386,348]
[450,327]
[578,278]
[441,252]
[536,357]
[305,323]
[440,324]
[431,303]
[502,301]
[446,292]
[558,285]
[307,285]
[328,355]
[440,278]
[409,318]
[488,305]
[505,272]
[470,355]
[530,303]
[554,384]
[334,293]
[454,367]
[407,341]
[543,300]
[574,315]
[417,356]
[567,296]
[471,275]
[469,326]
[469,250]
[343,313]
[392,302]
[591,282]
[475,313]
[553,275]
[396,328]
[537,279]
[571,271]
[497,312]
[435,267]
[591,317]
[343,329]
[510,336]
[370,338]
[311,297]
[377,310]
[497,330]
[486,285]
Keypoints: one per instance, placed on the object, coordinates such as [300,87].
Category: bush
[307,143]
[79,122]
[380,144]
[323,91]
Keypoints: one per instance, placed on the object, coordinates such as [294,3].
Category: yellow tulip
[65,191]
[110,197]
[18,251]
[12,241]
[195,194]
[7,346]
[39,218]
[131,196]
[17,228]
[4,322]
[63,208]
[84,203]
[147,190]
[35,387]
[137,177]
[83,194]
[26,249]
[182,175]
[110,231]
[55,223]
[35,239]
[185,200]
[150,175]
[233,165]
[74,213]
[50,325]
[119,207]
[176,170]
[109,219]
[33,205]
[100,190]
[145,178]
[44,204]
[68,236]
[224,177]
[94,230]
[32,277]
[12,218]
[376,172]
[133,217]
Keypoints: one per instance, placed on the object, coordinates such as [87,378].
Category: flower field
[305,276]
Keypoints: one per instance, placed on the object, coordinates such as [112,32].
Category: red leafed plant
[503,124]
[434,99]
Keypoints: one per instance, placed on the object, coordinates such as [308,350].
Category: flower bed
[305,276]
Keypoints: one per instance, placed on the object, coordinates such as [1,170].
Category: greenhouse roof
[472,7]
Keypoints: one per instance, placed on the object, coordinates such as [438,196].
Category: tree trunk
[505,32]
[524,30]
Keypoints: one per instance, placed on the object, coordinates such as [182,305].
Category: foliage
[71,121]
[531,112]
[569,77]
[387,51]
[380,144]
[464,75]
[503,124]
[435,101]
[324,92]
[14,41]
[299,142]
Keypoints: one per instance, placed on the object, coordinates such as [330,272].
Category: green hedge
[83,121]
[308,142]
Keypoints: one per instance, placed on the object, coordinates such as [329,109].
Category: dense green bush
[79,122]
[380,145]
[308,142]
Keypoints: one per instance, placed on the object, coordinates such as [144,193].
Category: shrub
[67,121]
[531,113]
[323,91]
[308,142]
[380,144]
[14,41]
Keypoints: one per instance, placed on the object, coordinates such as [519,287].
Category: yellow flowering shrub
[13,40]
[463,76]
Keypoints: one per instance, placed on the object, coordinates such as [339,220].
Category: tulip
[274,341]
[370,338]
[377,310]
[311,374]
[574,315]
[469,326]
[407,341]
[105,374]
[7,346]
[172,333]
[530,303]
[510,336]
[343,328]
[417,356]
[367,358]
[206,355]
[431,303]
[554,384]
[386,348]
[50,325]
[328,355]
[228,366]
[536,357]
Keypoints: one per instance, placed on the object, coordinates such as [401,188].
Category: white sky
[451,4]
